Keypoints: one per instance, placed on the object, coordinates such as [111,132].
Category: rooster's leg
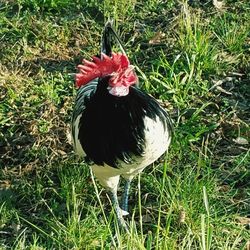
[118,210]
[125,195]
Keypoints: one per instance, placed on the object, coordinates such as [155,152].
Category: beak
[129,70]
[131,67]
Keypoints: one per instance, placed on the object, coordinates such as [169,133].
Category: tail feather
[108,37]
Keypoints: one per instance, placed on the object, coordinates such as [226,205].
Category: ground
[194,57]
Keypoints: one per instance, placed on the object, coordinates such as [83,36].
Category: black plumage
[112,128]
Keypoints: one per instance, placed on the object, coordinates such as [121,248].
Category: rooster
[116,127]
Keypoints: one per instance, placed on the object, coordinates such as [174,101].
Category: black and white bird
[116,127]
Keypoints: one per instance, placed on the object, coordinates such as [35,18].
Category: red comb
[100,67]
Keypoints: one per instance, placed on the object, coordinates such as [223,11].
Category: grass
[194,58]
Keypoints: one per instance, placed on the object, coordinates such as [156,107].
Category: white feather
[157,142]
[77,145]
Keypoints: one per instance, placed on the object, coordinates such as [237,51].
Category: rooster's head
[121,73]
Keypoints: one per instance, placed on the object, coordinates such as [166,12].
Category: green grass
[192,57]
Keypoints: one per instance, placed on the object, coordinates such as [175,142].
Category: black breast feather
[112,128]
